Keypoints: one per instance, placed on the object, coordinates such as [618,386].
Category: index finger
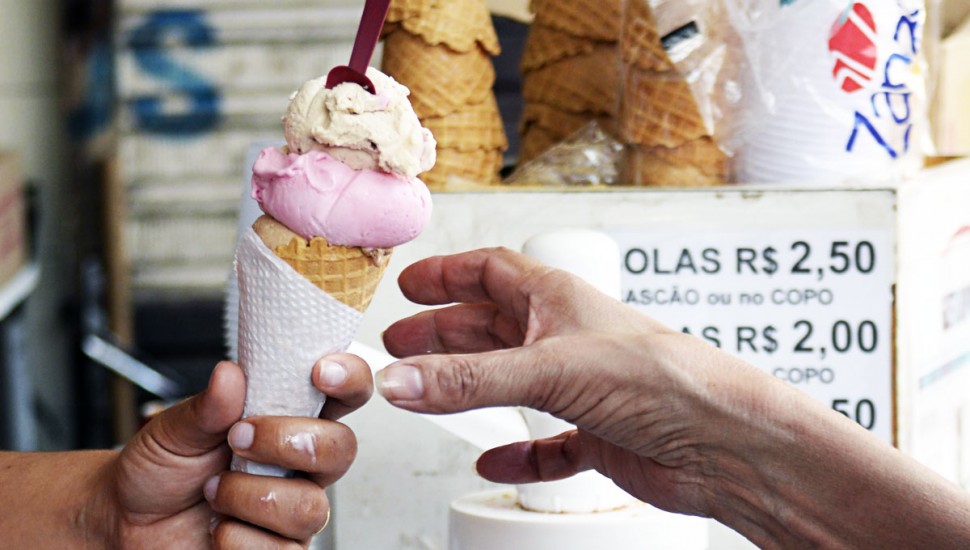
[496,275]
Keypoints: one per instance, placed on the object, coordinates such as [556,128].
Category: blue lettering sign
[148,42]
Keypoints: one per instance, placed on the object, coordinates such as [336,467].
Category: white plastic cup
[491,519]
[583,493]
[595,257]
[591,255]
[835,91]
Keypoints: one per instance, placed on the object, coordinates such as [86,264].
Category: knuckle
[222,536]
[312,508]
[551,394]
[457,383]
[311,505]
[346,449]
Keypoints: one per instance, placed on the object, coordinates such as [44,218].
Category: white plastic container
[492,520]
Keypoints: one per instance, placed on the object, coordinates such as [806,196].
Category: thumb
[199,424]
[455,383]
[546,459]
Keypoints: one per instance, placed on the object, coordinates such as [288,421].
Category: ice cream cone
[332,220]
[477,126]
[401,10]
[441,80]
[659,109]
[640,44]
[284,327]
[459,24]
[578,84]
[596,19]
[348,274]
[545,45]
[478,167]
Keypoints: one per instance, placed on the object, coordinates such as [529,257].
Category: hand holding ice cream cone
[337,199]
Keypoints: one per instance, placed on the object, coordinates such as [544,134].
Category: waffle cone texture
[349,274]
[570,71]
[442,53]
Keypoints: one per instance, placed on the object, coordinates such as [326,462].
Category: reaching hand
[671,419]
[525,334]
[169,488]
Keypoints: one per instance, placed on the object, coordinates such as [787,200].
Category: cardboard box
[951,110]
[13,225]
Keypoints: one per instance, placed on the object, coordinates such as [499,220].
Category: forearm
[55,500]
[804,476]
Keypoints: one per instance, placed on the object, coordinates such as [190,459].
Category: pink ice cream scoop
[316,195]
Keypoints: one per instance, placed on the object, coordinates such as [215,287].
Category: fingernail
[400,383]
[331,374]
[210,488]
[241,436]
[214,523]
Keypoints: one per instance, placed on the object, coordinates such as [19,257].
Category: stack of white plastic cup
[827,81]
[595,257]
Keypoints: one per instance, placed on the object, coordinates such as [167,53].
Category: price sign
[813,308]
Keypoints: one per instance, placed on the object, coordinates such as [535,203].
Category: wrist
[56,500]
[95,520]
[767,447]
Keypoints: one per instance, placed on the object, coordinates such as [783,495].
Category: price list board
[811,307]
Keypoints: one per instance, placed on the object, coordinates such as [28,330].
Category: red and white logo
[852,42]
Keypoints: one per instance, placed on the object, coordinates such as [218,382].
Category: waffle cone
[462,25]
[658,109]
[388,28]
[645,167]
[478,167]
[535,140]
[596,19]
[559,123]
[702,153]
[346,273]
[545,45]
[401,10]
[640,44]
[477,126]
[578,84]
[441,80]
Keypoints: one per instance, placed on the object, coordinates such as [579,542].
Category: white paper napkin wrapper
[285,325]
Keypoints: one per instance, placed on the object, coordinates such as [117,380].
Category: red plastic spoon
[368,33]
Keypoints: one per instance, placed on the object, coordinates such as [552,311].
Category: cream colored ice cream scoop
[360,129]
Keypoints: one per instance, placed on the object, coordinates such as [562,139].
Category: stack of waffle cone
[349,274]
[569,71]
[670,142]
[441,50]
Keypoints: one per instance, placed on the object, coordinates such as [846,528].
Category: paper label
[813,308]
